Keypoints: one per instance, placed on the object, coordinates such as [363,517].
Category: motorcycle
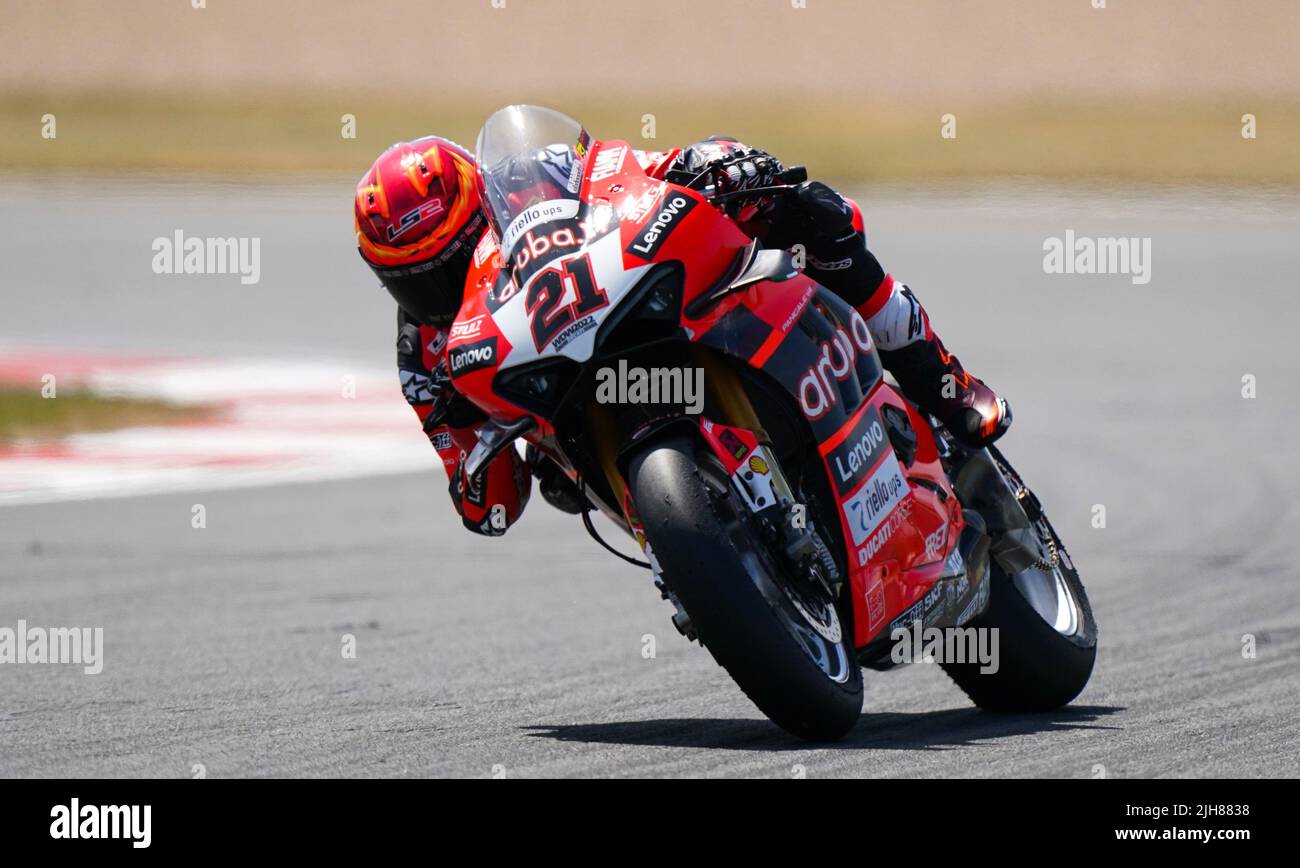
[804,511]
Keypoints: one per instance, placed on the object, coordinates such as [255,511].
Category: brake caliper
[757,478]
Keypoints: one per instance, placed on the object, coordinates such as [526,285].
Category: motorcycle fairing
[811,342]
[820,350]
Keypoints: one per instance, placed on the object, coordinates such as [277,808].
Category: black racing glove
[748,169]
[836,255]
[814,213]
[439,387]
[419,386]
[730,167]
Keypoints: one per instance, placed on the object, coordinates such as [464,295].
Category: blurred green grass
[295,135]
[25,414]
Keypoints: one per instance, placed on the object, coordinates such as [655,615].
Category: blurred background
[126,122]
[1058,89]
[129,121]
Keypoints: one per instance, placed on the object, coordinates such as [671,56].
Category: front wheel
[780,636]
[1047,636]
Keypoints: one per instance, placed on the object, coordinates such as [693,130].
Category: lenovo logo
[655,233]
[472,357]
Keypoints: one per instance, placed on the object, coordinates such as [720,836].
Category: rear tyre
[1047,636]
[779,636]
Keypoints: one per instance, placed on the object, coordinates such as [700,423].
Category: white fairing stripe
[607,267]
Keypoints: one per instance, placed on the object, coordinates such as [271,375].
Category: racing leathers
[451,421]
[830,231]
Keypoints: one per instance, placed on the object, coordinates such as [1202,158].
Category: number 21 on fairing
[546,318]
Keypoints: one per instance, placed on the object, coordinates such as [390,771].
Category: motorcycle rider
[419,218]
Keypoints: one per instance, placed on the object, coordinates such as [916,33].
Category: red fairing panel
[898,532]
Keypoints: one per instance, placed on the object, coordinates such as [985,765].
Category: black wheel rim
[806,611]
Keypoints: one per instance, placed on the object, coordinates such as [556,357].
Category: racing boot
[927,373]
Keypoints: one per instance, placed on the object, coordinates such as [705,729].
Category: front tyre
[779,635]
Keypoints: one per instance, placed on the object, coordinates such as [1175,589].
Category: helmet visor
[431,291]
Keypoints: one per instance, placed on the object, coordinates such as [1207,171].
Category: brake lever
[794,175]
[775,190]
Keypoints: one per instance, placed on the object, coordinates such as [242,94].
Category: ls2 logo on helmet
[471,357]
[415,216]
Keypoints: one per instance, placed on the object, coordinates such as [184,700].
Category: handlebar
[790,179]
[777,190]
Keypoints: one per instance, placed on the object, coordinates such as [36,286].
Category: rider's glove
[747,169]
[728,165]
[436,390]
[814,215]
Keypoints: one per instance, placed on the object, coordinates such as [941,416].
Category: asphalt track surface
[523,656]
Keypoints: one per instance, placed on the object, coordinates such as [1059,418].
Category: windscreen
[530,160]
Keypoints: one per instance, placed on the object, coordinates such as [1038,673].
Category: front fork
[723,391]
[745,451]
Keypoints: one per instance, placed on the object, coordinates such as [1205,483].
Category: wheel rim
[1046,588]
[810,617]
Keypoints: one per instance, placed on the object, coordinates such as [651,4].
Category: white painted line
[278,421]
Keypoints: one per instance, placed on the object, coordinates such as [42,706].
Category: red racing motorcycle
[801,511]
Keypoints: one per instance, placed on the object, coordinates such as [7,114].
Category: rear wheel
[1047,636]
[780,636]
